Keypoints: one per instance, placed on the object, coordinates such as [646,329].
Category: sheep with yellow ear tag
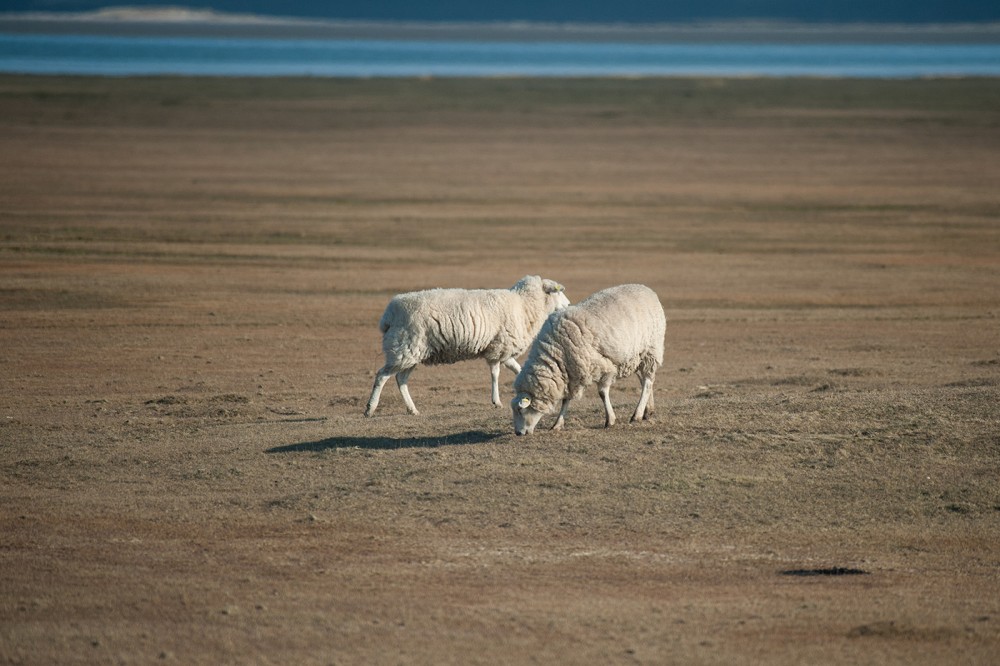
[611,334]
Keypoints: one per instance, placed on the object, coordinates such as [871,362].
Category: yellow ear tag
[524,402]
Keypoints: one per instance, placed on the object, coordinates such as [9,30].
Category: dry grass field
[191,276]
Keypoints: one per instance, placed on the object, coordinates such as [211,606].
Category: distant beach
[194,23]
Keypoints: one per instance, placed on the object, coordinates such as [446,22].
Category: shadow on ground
[471,437]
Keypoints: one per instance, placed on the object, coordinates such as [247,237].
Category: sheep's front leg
[603,390]
[495,383]
[644,409]
[562,415]
[404,390]
[495,378]
[380,379]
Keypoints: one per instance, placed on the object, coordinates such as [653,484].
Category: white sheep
[610,334]
[450,325]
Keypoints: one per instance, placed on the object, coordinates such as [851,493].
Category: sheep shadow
[471,437]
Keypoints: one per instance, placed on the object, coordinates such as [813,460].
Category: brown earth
[192,273]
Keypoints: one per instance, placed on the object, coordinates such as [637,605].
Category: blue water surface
[119,56]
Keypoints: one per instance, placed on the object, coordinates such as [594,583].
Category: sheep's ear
[524,402]
[551,286]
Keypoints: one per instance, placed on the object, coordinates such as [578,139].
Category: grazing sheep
[608,335]
[450,325]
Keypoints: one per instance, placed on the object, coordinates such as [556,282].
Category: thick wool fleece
[611,334]
[450,325]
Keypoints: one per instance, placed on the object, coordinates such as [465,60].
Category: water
[118,56]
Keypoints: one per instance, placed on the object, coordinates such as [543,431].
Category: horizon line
[183,21]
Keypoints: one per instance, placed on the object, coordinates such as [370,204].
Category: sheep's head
[526,415]
[555,296]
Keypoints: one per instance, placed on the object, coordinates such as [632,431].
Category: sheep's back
[624,325]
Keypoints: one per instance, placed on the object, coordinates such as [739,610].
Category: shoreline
[211,24]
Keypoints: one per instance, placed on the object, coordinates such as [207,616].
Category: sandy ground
[191,274]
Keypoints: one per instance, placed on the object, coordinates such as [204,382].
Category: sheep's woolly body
[611,334]
[450,325]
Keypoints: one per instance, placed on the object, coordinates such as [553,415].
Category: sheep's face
[557,301]
[555,296]
[526,417]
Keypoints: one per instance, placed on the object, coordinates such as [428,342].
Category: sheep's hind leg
[404,390]
[603,390]
[380,379]
[562,416]
[512,365]
[644,409]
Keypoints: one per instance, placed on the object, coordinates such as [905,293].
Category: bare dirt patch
[193,271]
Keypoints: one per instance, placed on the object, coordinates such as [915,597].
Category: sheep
[610,334]
[450,325]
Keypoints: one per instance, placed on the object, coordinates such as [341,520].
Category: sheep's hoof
[647,416]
